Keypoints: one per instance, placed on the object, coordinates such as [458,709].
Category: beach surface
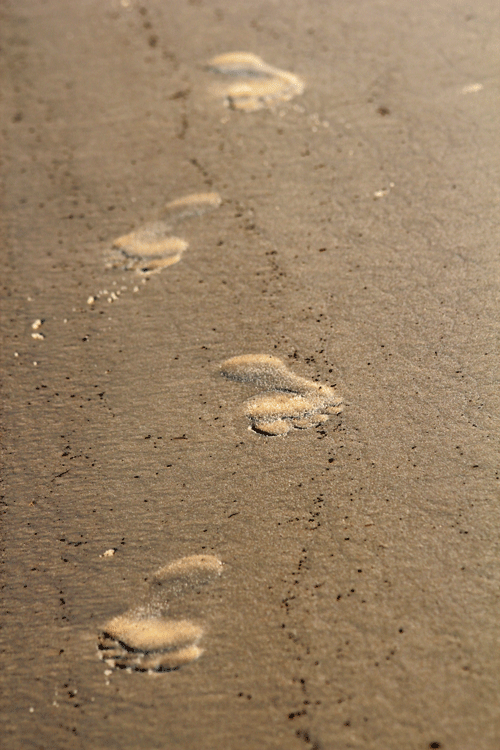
[357,601]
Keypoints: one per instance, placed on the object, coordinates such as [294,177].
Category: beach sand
[357,241]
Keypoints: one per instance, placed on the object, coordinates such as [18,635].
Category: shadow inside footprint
[145,638]
[257,86]
[152,247]
[290,401]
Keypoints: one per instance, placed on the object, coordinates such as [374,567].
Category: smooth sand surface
[357,240]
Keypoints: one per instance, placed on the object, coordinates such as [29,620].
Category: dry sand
[357,241]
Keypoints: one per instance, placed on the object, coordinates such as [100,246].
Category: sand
[357,241]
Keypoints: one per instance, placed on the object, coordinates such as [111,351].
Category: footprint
[152,247]
[290,401]
[258,85]
[146,639]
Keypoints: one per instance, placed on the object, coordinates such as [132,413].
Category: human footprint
[145,639]
[258,85]
[290,401]
[152,247]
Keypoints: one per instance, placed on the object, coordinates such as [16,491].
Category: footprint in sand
[148,638]
[257,85]
[289,401]
[153,247]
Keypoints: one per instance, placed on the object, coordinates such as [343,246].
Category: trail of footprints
[150,637]
[146,638]
[289,401]
[256,85]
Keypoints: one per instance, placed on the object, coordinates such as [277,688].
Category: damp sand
[355,242]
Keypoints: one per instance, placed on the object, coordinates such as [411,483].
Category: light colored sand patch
[258,85]
[262,369]
[150,241]
[192,569]
[195,204]
[273,428]
[241,63]
[150,248]
[291,400]
[472,88]
[278,404]
[150,644]
[144,638]
[152,633]
[268,371]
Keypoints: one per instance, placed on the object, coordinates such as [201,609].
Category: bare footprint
[145,638]
[257,86]
[290,401]
[153,247]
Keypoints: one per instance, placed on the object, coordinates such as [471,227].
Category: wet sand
[357,241]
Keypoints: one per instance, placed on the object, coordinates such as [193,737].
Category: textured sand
[357,241]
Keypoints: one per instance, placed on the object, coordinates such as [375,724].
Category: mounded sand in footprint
[194,570]
[195,204]
[290,401]
[257,85]
[145,639]
[152,247]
